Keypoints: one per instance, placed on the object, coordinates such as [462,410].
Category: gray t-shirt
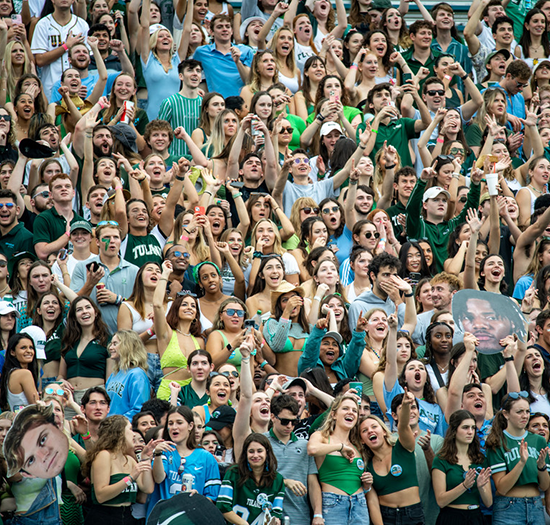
[317,191]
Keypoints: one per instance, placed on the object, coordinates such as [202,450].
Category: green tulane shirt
[501,460]
[247,500]
[142,249]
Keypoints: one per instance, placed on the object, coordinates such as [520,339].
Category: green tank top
[337,471]
[128,495]
[402,474]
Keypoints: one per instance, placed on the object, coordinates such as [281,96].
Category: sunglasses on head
[309,210]
[376,235]
[107,223]
[7,118]
[441,158]
[289,129]
[186,292]
[285,421]
[45,194]
[434,92]
[516,395]
[332,209]
[8,205]
[232,311]
[51,391]
[181,254]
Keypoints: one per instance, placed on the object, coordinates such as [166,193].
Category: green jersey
[250,501]
[141,249]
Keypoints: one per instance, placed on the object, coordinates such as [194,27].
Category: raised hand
[361,323]
[473,220]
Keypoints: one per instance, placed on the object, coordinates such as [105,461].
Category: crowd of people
[231,243]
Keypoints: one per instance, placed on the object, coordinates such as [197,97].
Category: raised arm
[161,326]
[470,267]
[145,22]
[391,373]
[471,30]
[99,87]
[363,148]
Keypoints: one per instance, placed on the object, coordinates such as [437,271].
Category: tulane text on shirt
[513,454]
[147,249]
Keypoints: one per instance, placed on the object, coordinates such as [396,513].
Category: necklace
[4,289]
[535,189]
[182,333]
[442,368]
[374,352]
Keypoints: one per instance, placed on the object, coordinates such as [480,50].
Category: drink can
[99,286]
[126,106]
[187,481]
[286,520]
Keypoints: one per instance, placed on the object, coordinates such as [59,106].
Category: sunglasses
[434,92]
[45,194]
[301,160]
[456,151]
[376,235]
[50,391]
[8,205]
[441,158]
[516,395]
[333,209]
[285,421]
[521,84]
[3,263]
[309,210]
[232,311]
[287,130]
[107,223]
[224,374]
[181,254]
[234,373]
[7,118]
[186,292]
[463,198]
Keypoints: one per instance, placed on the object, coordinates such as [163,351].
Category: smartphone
[249,324]
[16,19]
[332,97]
[406,76]
[219,451]
[358,387]
[237,184]
[199,210]
[93,266]
[63,253]
[253,131]
[414,277]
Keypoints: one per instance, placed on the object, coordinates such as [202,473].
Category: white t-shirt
[71,263]
[301,54]
[49,35]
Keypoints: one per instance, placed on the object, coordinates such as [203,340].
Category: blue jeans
[527,511]
[154,372]
[44,509]
[345,510]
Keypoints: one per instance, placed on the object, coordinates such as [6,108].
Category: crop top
[235,356]
[402,474]
[173,357]
[337,471]
[454,476]
[91,363]
[277,334]
[53,344]
[128,495]
[139,324]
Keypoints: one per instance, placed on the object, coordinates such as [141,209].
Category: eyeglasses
[232,311]
[58,391]
[376,235]
[181,254]
[186,292]
[516,395]
[3,263]
[45,194]
[456,151]
[287,130]
[434,92]
[8,205]
[521,84]
[285,421]
[332,209]
[309,210]
[7,118]
[107,223]
[301,160]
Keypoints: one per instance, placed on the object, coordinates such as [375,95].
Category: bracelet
[157,454]
[455,176]
[163,279]
[64,46]
[276,209]
[245,360]
[150,332]
[257,255]
[542,469]
[342,447]
[440,140]
[262,365]
[353,182]
[373,130]
[118,188]
[367,491]
[67,273]
[86,436]
[180,178]
[361,145]
[186,230]
[464,77]
[318,516]
[408,294]
[464,485]
[507,359]
[391,166]
[317,298]
[209,192]
[237,195]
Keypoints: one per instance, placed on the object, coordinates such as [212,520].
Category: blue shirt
[344,244]
[220,71]
[90,81]
[200,464]
[522,286]
[128,390]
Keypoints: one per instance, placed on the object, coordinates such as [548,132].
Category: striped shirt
[181,111]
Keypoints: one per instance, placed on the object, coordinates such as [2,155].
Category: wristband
[184,238]
[118,188]
[257,255]
[511,358]
[237,195]
[317,298]
[150,332]
[86,436]
[448,77]
[440,140]
[373,130]
[245,360]
[318,516]
[157,454]
[361,145]
[464,77]
[391,166]
[68,234]
[209,192]
[353,182]
[263,364]
[541,469]
[127,480]
[353,67]
[180,178]
[101,105]
[409,294]
[321,117]
[64,46]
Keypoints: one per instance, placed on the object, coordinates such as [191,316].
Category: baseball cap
[245,23]
[327,127]
[222,417]
[433,192]
[334,335]
[297,381]
[7,308]
[503,52]
[81,225]
[125,135]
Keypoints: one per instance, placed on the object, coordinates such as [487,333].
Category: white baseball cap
[327,127]
[433,192]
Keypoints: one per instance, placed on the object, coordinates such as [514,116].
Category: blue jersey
[200,464]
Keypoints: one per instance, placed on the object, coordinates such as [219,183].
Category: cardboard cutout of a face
[489,316]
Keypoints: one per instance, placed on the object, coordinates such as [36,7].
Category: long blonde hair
[153,39]
[131,351]
[216,143]
[12,78]
[277,245]
[255,77]
[288,60]
[199,248]
[330,421]
[489,97]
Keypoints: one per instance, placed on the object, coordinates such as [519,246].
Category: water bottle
[257,320]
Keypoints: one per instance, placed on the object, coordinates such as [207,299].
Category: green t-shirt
[49,226]
[142,249]
[501,460]
[455,475]
[53,344]
[246,500]
[189,398]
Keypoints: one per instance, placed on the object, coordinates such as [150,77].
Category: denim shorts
[527,511]
[345,510]
[410,515]
[154,372]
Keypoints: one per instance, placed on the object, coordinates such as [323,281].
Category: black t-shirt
[28,218]
[246,191]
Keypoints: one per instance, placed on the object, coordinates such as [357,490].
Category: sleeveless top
[15,400]
[139,324]
[235,357]
[402,474]
[291,83]
[339,472]
[128,495]
[173,356]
